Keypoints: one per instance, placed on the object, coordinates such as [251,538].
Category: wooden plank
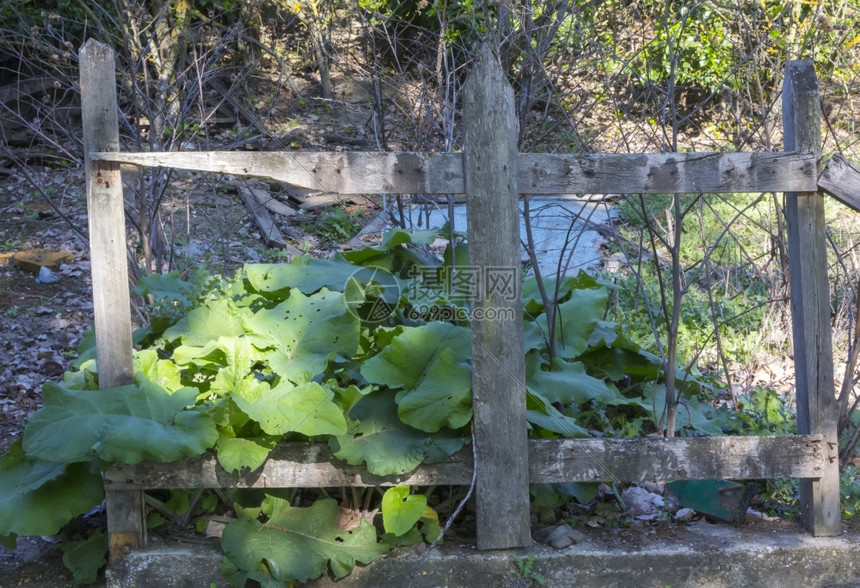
[312,465]
[111,300]
[841,179]
[335,172]
[269,231]
[538,173]
[810,302]
[665,173]
[676,458]
[292,465]
[498,366]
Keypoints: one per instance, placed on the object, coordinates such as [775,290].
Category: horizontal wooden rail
[841,179]
[538,173]
[312,465]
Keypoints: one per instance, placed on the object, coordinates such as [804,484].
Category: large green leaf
[443,397]
[297,544]
[163,372]
[700,416]
[554,495]
[239,356]
[85,557]
[533,337]
[127,424]
[532,300]
[307,332]
[617,362]
[543,415]
[576,319]
[308,409]
[401,509]
[218,318]
[235,453]
[566,383]
[38,497]
[380,439]
[429,364]
[304,274]
[404,361]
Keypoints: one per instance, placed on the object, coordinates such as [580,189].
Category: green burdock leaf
[691,412]
[533,337]
[567,383]
[543,415]
[617,362]
[39,497]
[443,398]
[307,332]
[239,355]
[380,439]
[235,453]
[576,319]
[297,544]
[402,362]
[304,274]
[401,509]
[163,372]
[553,495]
[532,300]
[445,443]
[218,318]
[429,364]
[127,424]
[308,409]
[396,237]
[84,558]
[10,542]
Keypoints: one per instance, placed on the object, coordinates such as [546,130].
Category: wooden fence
[493,176]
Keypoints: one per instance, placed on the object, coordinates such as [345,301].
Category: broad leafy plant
[300,352]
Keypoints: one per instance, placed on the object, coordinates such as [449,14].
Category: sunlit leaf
[308,409]
[308,332]
[297,544]
[401,509]
[380,439]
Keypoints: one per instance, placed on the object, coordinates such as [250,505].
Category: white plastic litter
[46,276]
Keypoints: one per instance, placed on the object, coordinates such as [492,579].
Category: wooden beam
[538,173]
[111,299]
[810,303]
[676,458]
[268,229]
[841,179]
[291,465]
[312,465]
[499,423]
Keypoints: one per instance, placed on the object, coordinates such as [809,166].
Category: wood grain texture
[676,458]
[810,302]
[841,179]
[111,300]
[498,366]
[292,465]
[312,465]
[537,173]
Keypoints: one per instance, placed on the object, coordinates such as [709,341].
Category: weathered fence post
[111,302]
[810,303]
[498,365]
